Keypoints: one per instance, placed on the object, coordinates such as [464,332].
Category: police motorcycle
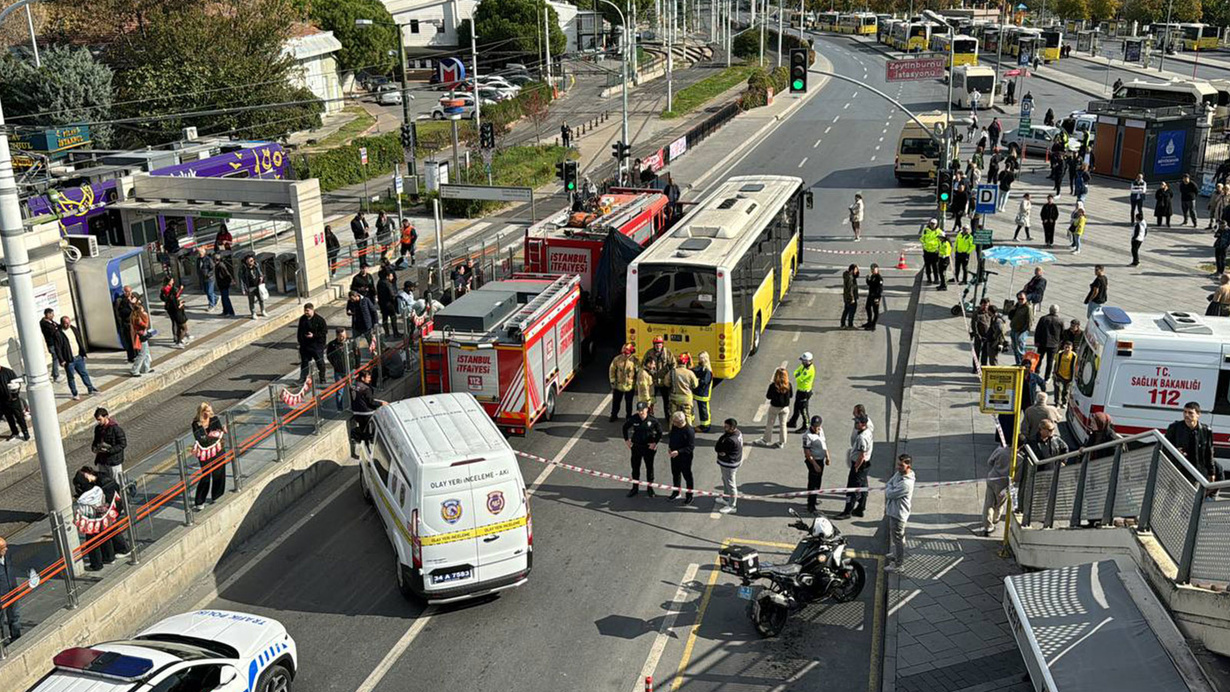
[818,568]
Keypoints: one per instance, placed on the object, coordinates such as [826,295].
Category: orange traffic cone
[901,261]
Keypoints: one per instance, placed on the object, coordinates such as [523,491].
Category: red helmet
[629,348]
[658,340]
[685,359]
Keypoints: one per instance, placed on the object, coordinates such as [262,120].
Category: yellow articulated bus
[827,21]
[859,24]
[715,280]
[1052,42]
[1013,37]
[964,52]
[1198,37]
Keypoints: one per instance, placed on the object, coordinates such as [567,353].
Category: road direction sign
[363,155]
[484,192]
[914,69]
[399,184]
[988,197]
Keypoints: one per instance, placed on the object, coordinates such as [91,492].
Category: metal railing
[1143,477]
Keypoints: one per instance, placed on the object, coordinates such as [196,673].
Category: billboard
[1168,157]
[914,69]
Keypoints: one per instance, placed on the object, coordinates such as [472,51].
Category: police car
[203,651]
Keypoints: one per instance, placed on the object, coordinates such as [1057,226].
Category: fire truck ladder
[521,320]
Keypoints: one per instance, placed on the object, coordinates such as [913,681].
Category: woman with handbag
[208,431]
[1022,217]
[253,281]
[97,508]
[177,312]
[138,328]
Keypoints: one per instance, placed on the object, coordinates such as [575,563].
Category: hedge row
[758,84]
[747,44]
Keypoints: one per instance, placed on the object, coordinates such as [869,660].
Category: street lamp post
[47,439]
[623,64]
[1161,57]
[406,117]
[948,126]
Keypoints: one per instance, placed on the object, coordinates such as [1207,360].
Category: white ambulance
[1141,368]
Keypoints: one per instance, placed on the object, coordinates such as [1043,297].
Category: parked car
[1037,139]
[495,94]
[498,81]
[519,80]
[372,82]
[389,95]
[467,107]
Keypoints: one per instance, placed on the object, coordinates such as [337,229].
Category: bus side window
[1221,403]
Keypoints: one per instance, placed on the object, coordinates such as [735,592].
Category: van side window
[1221,405]
[381,458]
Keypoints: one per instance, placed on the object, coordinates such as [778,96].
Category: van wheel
[550,413]
[403,580]
[755,338]
[367,493]
[275,679]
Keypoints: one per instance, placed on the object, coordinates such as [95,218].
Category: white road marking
[940,575]
[846,106]
[664,633]
[572,442]
[877,147]
[761,411]
[827,129]
[836,118]
[854,95]
[873,158]
[909,597]
[398,649]
[811,300]
[804,161]
[881,139]
[816,144]
[797,334]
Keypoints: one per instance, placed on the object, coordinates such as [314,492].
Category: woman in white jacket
[856,216]
[1023,211]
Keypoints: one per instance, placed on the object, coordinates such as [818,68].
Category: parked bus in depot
[858,23]
[964,48]
[989,36]
[714,281]
[911,37]
[885,29]
[1052,42]
[969,78]
[918,154]
[827,21]
[1166,34]
[1141,368]
[1014,36]
[1199,36]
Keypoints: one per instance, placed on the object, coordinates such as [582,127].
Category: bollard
[183,478]
[277,422]
[236,469]
[134,558]
[315,407]
[648,683]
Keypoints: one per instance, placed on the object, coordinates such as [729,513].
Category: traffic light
[621,151]
[486,136]
[943,186]
[560,171]
[570,176]
[798,70]
[408,135]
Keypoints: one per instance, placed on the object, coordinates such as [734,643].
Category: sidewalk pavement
[946,628]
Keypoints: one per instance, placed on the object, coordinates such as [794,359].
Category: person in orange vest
[409,238]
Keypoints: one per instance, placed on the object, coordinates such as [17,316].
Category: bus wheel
[755,338]
[550,412]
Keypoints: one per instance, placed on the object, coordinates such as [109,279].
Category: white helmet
[806,357]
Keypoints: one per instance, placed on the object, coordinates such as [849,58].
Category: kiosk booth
[1160,140]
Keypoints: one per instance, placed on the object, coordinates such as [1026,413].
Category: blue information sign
[1168,158]
[988,196]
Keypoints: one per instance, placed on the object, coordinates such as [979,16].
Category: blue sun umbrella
[1016,256]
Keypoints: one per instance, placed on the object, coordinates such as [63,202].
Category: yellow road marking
[873,676]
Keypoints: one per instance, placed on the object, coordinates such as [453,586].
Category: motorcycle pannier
[739,560]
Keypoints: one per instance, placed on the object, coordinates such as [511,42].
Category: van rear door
[447,519]
[503,539]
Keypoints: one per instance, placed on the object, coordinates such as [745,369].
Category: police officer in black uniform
[642,433]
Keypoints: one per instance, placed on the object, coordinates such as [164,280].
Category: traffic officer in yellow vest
[804,380]
[660,363]
[964,248]
[622,375]
[944,252]
[930,239]
[703,391]
[683,383]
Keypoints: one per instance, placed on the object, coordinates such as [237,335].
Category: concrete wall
[51,285]
[1201,614]
[319,74]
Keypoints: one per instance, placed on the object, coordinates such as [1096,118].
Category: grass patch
[350,130]
[707,89]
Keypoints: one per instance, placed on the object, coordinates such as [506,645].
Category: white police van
[449,492]
[202,651]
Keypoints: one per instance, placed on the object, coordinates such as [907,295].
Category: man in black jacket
[363,317]
[10,403]
[109,444]
[10,578]
[1187,199]
[312,334]
[1195,441]
[70,351]
[335,352]
[642,433]
[363,284]
[1047,333]
[49,327]
[359,227]
[1049,214]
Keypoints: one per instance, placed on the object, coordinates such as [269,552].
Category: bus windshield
[919,146]
[1051,38]
[677,295]
[982,83]
[918,31]
[965,45]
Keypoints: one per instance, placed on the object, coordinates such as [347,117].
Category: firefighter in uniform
[683,383]
[930,239]
[804,380]
[622,375]
[944,253]
[660,363]
[703,390]
[644,386]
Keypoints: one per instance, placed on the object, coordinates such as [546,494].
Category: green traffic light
[943,196]
[798,84]
[571,186]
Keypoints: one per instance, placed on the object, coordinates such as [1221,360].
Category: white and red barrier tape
[713,493]
[907,248]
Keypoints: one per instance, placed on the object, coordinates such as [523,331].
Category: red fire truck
[571,242]
[512,344]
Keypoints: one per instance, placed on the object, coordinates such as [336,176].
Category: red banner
[914,69]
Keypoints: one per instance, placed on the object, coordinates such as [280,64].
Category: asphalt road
[609,570]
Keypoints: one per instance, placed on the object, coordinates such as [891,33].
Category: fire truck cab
[512,344]
[1141,368]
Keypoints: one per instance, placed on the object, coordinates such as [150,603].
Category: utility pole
[946,161]
[781,12]
[632,51]
[546,44]
[478,102]
[670,56]
[1161,57]
[764,10]
[33,38]
[52,463]
[800,20]
[626,43]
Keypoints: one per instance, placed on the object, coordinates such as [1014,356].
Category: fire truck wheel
[550,414]
[588,350]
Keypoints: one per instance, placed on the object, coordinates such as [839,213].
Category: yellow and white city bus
[714,281]
[1052,44]
[964,52]
[827,21]
[1198,37]
[858,23]
[1014,35]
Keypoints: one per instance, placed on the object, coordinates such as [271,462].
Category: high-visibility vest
[965,243]
[930,240]
[945,248]
[804,377]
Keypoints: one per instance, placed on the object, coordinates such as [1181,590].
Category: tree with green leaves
[1104,9]
[363,47]
[513,27]
[1072,9]
[1146,11]
[224,61]
[70,87]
